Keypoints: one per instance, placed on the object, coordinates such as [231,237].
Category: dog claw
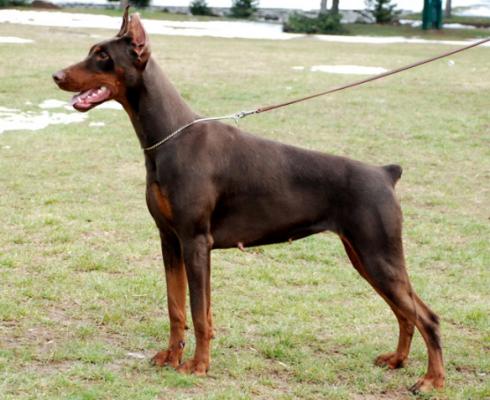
[426,384]
[166,358]
[198,368]
[390,360]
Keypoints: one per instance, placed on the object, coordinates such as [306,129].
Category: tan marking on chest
[161,200]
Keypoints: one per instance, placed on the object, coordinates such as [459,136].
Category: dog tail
[394,172]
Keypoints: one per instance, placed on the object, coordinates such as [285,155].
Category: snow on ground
[342,69]
[53,103]
[12,119]
[390,40]
[225,29]
[348,69]
[417,24]
[14,39]
[16,120]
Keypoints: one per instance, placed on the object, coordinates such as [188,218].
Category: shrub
[323,23]
[140,3]
[200,7]
[7,3]
[243,8]
[133,3]
[383,11]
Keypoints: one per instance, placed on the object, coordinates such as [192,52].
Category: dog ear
[124,25]
[139,40]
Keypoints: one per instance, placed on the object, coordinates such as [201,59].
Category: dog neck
[155,107]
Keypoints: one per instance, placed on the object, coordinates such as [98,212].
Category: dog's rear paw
[169,358]
[390,360]
[427,383]
[199,368]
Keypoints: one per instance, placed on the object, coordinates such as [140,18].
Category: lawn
[82,288]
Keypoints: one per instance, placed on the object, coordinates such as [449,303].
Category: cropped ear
[139,40]
[124,26]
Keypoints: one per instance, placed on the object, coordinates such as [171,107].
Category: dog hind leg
[377,253]
[398,358]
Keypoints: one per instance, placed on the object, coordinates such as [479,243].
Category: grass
[82,291]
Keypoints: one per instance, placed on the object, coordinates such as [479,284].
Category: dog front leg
[198,268]
[176,293]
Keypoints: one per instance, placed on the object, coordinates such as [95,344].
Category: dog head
[111,68]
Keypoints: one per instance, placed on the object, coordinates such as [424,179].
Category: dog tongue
[89,98]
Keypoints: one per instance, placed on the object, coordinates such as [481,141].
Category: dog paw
[390,360]
[198,368]
[427,383]
[169,358]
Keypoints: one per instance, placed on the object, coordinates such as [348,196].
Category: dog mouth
[91,98]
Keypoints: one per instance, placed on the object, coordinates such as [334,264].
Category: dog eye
[102,55]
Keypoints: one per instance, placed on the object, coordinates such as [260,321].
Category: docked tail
[394,172]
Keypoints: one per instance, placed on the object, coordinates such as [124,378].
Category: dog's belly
[261,222]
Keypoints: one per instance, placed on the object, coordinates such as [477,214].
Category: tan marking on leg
[162,201]
[176,298]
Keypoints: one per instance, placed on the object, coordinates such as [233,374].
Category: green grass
[81,280]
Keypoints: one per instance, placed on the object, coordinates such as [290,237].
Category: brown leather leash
[242,114]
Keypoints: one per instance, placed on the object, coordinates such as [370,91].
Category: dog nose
[59,76]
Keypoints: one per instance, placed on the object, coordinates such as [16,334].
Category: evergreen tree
[244,8]
[383,11]
[199,7]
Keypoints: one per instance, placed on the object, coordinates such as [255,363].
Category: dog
[213,186]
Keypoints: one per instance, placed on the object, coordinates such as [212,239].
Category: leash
[242,114]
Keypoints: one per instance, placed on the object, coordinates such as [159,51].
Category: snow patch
[224,29]
[418,24]
[16,120]
[458,26]
[110,105]
[52,103]
[96,124]
[348,69]
[391,40]
[14,39]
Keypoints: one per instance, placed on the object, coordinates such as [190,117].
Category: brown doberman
[214,186]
